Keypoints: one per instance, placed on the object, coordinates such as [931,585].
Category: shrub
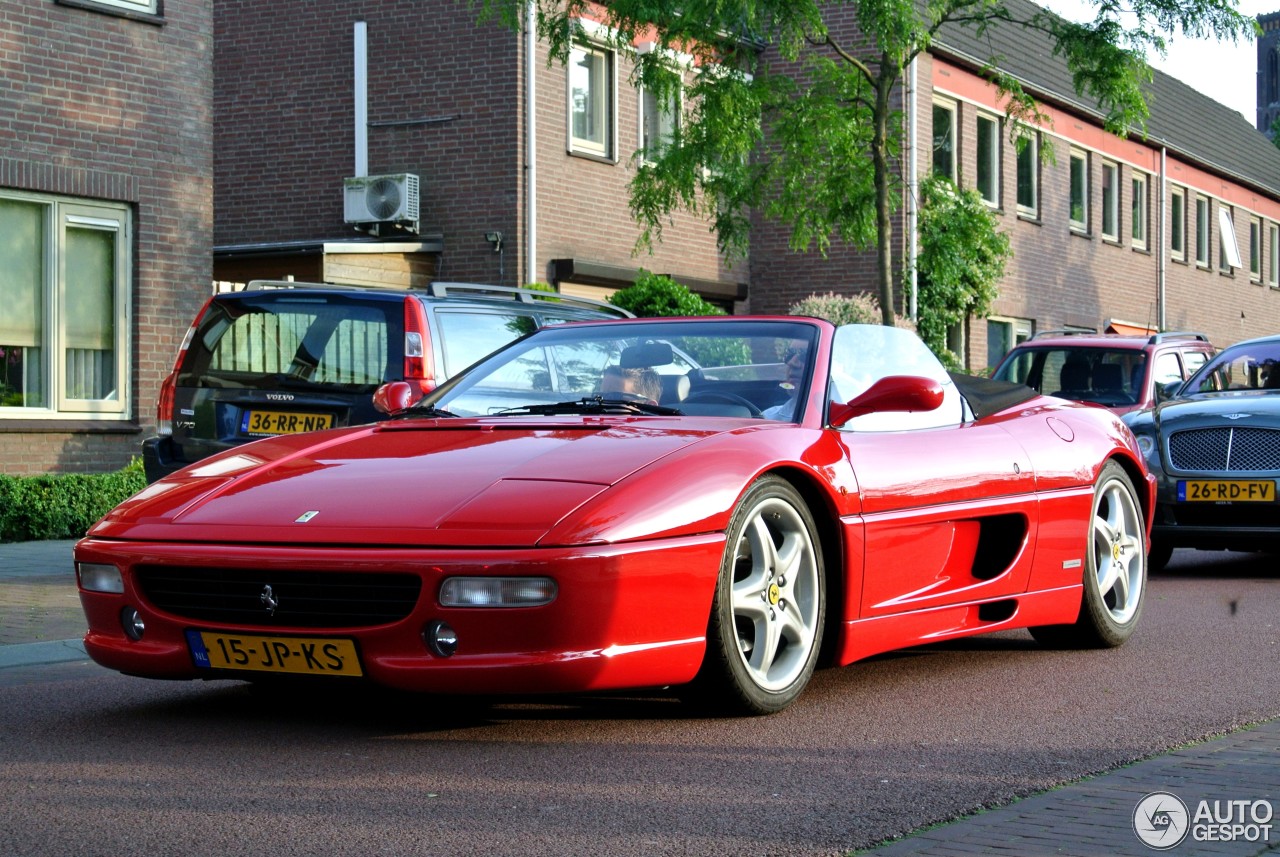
[655,295]
[65,506]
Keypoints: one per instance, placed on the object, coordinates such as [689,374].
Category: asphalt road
[96,763]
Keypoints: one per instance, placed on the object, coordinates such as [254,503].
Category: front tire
[765,630]
[1115,569]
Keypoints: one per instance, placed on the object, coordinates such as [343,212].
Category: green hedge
[35,508]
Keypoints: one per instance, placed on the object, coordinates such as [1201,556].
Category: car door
[948,505]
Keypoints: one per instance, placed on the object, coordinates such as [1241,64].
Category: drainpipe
[913,188]
[1163,251]
[531,149]
[361,84]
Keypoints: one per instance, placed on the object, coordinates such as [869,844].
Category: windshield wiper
[593,405]
[416,413]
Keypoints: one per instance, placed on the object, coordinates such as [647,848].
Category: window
[65,291]
[1079,191]
[1255,250]
[659,117]
[591,83]
[1202,231]
[989,158]
[1110,201]
[1178,223]
[1003,334]
[1138,210]
[1029,174]
[1273,255]
[1228,249]
[144,7]
[944,139]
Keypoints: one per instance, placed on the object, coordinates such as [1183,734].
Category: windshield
[1108,376]
[1247,366]
[706,367]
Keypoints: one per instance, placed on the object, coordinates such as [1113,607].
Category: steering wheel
[723,398]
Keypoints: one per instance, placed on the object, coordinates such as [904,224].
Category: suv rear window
[285,340]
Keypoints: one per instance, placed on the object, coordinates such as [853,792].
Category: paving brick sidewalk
[38,599]
[39,608]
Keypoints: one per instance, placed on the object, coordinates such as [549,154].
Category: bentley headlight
[1147,444]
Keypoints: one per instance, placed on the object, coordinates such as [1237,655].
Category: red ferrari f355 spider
[767,495]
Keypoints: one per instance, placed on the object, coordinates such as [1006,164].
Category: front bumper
[626,616]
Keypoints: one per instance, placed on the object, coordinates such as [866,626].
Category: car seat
[675,388]
[1073,377]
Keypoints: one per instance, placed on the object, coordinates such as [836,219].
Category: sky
[1225,72]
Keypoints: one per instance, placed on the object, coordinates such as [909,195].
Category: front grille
[1219,450]
[304,599]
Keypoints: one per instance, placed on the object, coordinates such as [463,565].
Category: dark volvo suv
[284,357]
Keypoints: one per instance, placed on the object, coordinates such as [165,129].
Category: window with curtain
[1110,201]
[944,140]
[1079,191]
[1138,211]
[1029,175]
[1178,223]
[64,289]
[988,167]
[591,100]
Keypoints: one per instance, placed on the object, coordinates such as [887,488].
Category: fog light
[497,591]
[441,639]
[132,624]
[97,577]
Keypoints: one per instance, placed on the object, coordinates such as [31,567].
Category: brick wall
[102,106]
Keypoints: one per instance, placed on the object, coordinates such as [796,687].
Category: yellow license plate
[280,422]
[1227,491]
[298,655]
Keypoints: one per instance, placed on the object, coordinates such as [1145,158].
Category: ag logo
[1161,820]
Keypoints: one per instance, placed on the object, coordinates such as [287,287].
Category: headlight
[96,577]
[1147,444]
[497,591]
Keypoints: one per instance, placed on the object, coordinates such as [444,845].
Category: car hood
[1253,408]
[424,482]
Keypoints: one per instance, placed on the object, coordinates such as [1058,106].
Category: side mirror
[1164,392]
[395,396]
[896,393]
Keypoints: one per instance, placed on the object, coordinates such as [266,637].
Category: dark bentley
[1214,447]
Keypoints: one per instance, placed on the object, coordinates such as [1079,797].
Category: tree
[962,258]
[796,121]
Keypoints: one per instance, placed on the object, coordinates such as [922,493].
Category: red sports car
[769,494]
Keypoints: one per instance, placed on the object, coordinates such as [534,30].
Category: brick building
[105,219]
[453,103]
[1178,230]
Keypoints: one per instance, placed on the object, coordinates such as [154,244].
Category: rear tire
[765,629]
[1115,573]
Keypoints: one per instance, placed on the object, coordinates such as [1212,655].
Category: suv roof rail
[1177,334]
[296,284]
[1064,332]
[443,289]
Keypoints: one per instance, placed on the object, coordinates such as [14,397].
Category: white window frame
[142,7]
[988,168]
[1030,151]
[1111,200]
[56,363]
[603,144]
[1204,230]
[1273,255]
[952,169]
[1019,330]
[1078,224]
[1228,247]
[1255,249]
[1177,224]
[1138,210]
[650,112]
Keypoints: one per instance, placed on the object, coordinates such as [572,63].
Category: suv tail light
[165,402]
[419,365]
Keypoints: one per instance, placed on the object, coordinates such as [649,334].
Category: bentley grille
[1235,449]
[304,599]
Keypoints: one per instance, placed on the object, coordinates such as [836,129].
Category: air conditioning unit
[371,202]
